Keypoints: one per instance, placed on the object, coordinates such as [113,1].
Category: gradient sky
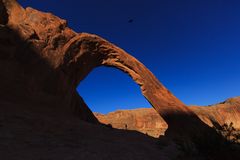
[192,46]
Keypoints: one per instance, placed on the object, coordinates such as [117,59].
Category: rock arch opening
[117,101]
[107,89]
[85,52]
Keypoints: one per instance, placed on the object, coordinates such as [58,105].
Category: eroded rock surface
[31,45]
[145,120]
[148,121]
[221,113]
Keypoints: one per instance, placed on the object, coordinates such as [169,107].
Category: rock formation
[42,60]
[219,114]
[31,45]
[148,121]
[48,57]
[145,120]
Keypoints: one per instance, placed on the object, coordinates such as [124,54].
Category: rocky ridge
[148,121]
[144,120]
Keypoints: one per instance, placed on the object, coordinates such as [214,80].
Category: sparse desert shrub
[228,132]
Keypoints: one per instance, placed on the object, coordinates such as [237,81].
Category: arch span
[67,57]
[86,51]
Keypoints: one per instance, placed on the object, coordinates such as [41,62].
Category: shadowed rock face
[3,14]
[44,60]
[31,45]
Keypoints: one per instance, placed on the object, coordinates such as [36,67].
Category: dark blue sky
[192,46]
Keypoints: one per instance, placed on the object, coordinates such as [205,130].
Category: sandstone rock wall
[145,120]
[148,121]
[31,45]
[221,113]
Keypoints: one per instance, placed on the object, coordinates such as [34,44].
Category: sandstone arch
[77,54]
[86,51]
[66,57]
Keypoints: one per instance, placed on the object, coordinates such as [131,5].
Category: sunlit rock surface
[148,121]
[145,120]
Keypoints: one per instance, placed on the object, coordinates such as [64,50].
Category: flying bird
[130,20]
